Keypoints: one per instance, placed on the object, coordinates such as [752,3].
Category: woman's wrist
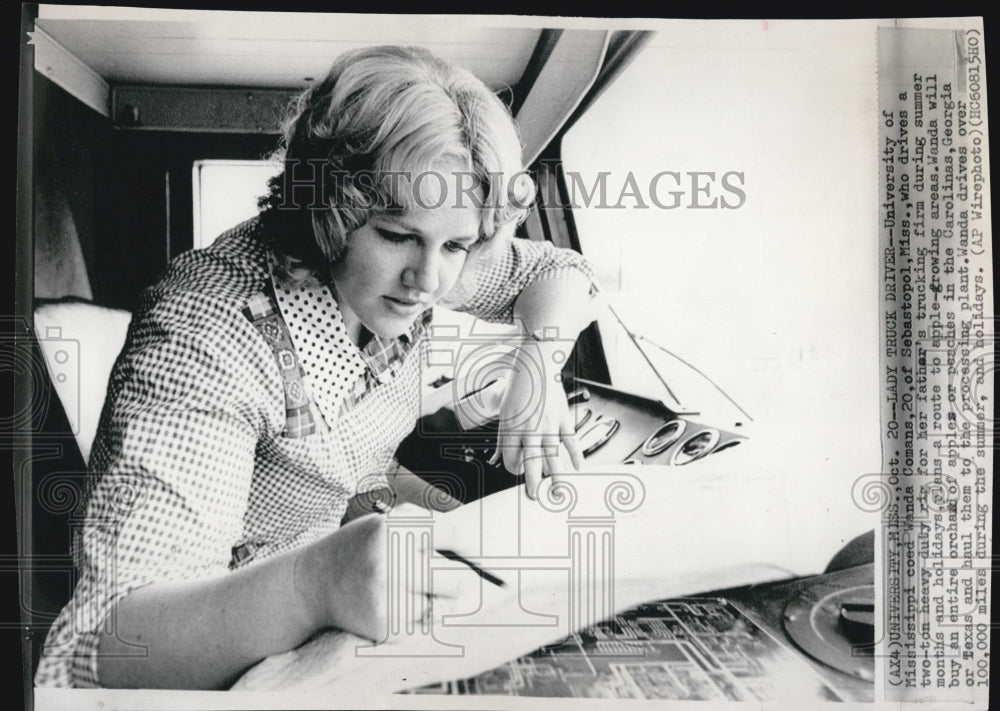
[555,309]
[547,355]
[310,584]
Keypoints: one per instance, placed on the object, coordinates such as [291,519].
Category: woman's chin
[392,326]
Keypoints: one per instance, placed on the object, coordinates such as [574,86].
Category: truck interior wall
[72,143]
[105,221]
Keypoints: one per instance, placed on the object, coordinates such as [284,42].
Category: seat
[78,343]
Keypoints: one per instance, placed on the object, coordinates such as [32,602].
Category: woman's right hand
[342,579]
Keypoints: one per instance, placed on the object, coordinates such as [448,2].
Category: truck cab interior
[149,131]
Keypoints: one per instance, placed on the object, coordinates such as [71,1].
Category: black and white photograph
[500,361]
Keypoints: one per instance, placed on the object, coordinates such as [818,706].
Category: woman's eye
[395,237]
[456,247]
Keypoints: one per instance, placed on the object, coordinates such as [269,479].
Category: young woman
[264,377]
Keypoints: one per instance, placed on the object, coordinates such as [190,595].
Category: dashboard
[613,427]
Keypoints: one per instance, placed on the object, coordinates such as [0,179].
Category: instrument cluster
[613,427]
[618,427]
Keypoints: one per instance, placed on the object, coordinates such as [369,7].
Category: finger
[554,466]
[552,463]
[532,474]
[568,434]
[414,610]
[512,459]
[417,610]
[415,576]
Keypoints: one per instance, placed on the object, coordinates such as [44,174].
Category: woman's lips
[406,307]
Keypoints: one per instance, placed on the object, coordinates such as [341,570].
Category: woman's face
[397,265]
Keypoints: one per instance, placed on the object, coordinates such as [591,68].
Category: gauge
[598,434]
[666,435]
[695,447]
[582,416]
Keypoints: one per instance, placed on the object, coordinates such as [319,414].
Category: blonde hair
[380,112]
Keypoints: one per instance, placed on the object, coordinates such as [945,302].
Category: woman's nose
[422,275]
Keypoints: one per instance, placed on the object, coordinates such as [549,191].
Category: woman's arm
[549,292]
[534,415]
[401,486]
[554,309]
[202,634]
[172,472]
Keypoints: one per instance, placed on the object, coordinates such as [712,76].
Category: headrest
[80,342]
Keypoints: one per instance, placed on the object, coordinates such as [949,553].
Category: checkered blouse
[239,420]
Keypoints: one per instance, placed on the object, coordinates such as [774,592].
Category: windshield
[689,181]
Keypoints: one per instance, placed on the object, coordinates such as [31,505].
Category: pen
[383,508]
[489,577]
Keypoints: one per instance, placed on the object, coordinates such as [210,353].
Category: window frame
[555,213]
[552,216]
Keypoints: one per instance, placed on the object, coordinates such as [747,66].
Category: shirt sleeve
[491,291]
[170,475]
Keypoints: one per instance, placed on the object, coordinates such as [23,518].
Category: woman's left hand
[535,420]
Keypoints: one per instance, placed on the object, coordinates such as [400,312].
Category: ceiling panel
[279,50]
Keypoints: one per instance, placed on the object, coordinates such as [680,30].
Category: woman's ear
[332,234]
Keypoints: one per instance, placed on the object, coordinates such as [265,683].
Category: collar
[384,355]
[339,373]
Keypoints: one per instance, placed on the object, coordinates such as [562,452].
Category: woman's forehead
[434,187]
